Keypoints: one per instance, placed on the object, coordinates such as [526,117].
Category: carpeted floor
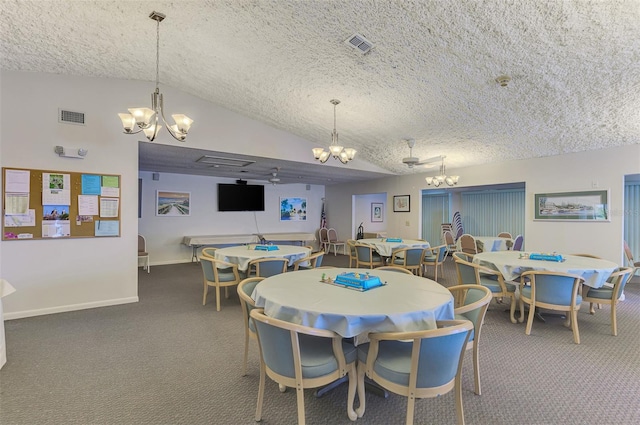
[170,360]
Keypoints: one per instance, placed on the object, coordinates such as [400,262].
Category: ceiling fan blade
[432,160]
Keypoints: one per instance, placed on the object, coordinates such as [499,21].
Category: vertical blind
[435,211]
[632,217]
[488,213]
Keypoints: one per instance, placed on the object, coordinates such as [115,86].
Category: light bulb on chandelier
[148,120]
[442,177]
[340,153]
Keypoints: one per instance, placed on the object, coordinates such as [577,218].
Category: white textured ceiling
[574,65]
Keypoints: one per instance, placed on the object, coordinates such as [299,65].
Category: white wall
[362,213]
[164,234]
[62,275]
[601,169]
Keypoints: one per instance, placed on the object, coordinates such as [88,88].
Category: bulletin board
[49,204]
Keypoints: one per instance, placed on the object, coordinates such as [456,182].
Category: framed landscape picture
[589,205]
[377,214]
[401,203]
[293,209]
[173,204]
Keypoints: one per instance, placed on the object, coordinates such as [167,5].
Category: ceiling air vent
[228,162]
[359,43]
[69,117]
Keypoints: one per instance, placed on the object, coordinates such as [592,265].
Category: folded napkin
[266,248]
[546,257]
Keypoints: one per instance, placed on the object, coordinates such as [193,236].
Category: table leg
[369,385]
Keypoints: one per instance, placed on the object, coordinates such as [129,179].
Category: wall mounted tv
[240,197]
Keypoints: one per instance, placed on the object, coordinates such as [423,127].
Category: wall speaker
[156,176]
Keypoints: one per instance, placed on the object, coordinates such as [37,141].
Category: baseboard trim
[67,308]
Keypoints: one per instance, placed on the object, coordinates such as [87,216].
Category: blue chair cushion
[603,293]
[430,258]
[316,355]
[226,277]
[393,362]
[494,286]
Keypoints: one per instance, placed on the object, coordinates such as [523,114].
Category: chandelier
[148,120]
[442,177]
[338,152]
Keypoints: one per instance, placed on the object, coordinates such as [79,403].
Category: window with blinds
[488,213]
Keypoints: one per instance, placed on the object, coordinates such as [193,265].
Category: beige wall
[601,169]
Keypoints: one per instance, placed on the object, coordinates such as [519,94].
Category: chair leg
[148,267]
[512,310]
[614,323]
[459,408]
[361,399]
[217,298]
[532,311]
[206,290]
[351,392]
[246,353]
[476,368]
[574,326]
[300,399]
[260,392]
[411,405]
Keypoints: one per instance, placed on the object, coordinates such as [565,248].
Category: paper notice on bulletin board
[56,189]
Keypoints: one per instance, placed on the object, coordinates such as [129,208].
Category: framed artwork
[377,212]
[173,204]
[589,205]
[293,209]
[401,203]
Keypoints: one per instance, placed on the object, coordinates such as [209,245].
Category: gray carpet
[170,360]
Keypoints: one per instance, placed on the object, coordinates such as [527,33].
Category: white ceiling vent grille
[69,117]
[229,162]
[359,43]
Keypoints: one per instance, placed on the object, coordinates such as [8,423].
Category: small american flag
[323,218]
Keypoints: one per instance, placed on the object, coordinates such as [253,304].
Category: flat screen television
[240,197]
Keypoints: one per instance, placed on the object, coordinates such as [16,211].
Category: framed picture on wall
[589,205]
[173,204]
[377,213]
[293,209]
[401,203]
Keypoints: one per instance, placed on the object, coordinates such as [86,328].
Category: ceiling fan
[411,161]
[274,179]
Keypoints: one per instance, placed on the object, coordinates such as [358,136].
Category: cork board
[50,204]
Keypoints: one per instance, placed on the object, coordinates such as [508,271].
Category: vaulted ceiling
[574,68]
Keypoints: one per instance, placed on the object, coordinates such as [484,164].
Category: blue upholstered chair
[366,256]
[311,261]
[551,291]
[418,364]
[434,257]
[470,303]
[266,267]
[351,246]
[245,289]
[408,258]
[219,274]
[301,357]
[474,274]
[608,295]
[517,243]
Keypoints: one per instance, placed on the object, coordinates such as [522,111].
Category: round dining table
[512,264]
[385,248]
[243,254]
[404,303]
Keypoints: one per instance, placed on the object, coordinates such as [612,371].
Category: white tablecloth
[406,303]
[5,289]
[594,271]
[386,249]
[241,255]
